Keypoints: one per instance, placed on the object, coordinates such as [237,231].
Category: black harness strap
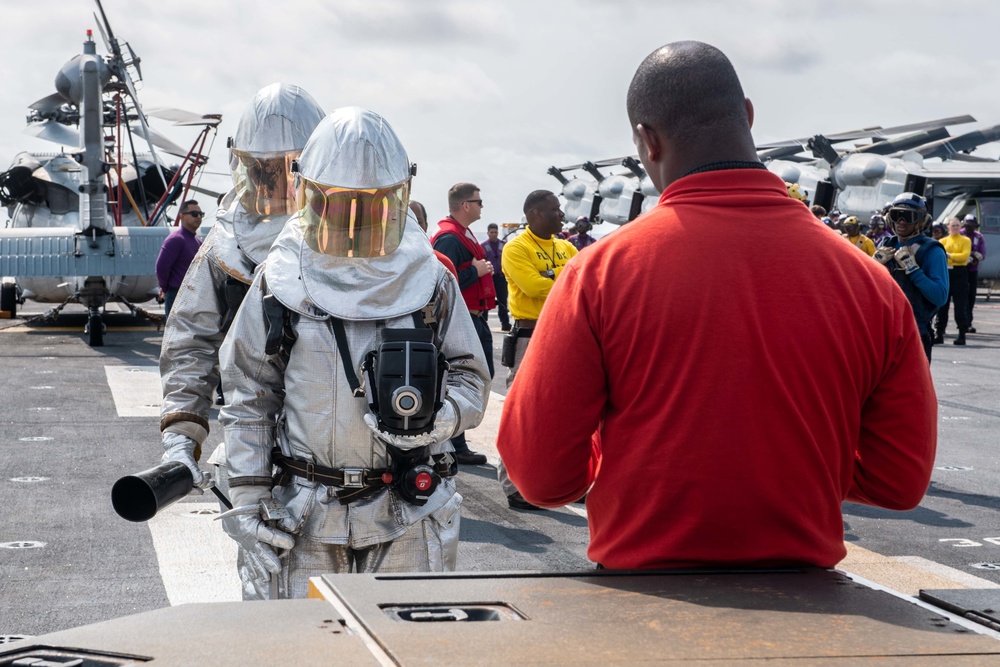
[233,293]
[345,357]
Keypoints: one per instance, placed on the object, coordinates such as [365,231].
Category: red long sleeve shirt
[723,393]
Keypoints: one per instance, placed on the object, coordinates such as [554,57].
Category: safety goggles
[908,216]
[264,183]
[342,222]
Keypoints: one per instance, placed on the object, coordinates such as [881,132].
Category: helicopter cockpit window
[989,215]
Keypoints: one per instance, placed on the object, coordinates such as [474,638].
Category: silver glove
[906,260]
[978,256]
[445,423]
[180,448]
[246,523]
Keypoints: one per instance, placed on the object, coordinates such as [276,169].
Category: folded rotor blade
[158,139]
[905,143]
[876,131]
[175,115]
[104,35]
[49,130]
[945,148]
[48,104]
[206,191]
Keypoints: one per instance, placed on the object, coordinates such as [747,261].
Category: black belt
[348,478]
[357,482]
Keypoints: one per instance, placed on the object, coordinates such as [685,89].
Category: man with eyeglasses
[177,253]
[456,241]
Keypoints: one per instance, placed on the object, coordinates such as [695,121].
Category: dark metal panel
[285,632]
[635,618]
[981,605]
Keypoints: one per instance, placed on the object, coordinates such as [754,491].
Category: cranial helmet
[272,132]
[850,220]
[911,208]
[354,184]
[795,192]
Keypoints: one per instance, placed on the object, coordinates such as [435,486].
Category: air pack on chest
[405,375]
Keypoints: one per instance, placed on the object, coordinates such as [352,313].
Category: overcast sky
[494,92]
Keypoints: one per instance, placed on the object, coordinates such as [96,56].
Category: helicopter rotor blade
[48,104]
[876,131]
[175,115]
[50,130]
[945,148]
[104,35]
[158,139]
[904,143]
[107,33]
[206,191]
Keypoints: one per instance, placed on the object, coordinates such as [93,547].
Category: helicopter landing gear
[8,299]
[95,329]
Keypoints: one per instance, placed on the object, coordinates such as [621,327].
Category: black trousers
[500,285]
[973,286]
[958,293]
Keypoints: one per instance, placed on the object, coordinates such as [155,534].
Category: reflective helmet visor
[264,183]
[342,222]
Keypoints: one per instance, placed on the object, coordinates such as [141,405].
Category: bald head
[687,108]
[686,88]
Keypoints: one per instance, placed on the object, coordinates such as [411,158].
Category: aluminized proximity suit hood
[352,289]
[353,188]
[272,132]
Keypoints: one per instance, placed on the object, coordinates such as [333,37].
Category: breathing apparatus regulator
[405,377]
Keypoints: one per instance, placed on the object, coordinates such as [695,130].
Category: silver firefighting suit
[277,122]
[274,128]
[304,405]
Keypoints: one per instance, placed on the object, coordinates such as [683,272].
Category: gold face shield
[341,222]
[264,184]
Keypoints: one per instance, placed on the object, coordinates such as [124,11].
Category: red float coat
[723,401]
[481,295]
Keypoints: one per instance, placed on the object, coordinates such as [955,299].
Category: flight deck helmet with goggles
[353,186]
[908,207]
[272,132]
[795,192]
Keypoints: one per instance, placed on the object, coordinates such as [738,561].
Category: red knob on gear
[423,481]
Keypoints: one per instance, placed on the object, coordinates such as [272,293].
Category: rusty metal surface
[593,618]
[286,632]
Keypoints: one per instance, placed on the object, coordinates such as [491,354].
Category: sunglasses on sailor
[194,214]
[475,201]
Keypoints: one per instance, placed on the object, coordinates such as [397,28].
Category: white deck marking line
[135,389]
[197,560]
[956,575]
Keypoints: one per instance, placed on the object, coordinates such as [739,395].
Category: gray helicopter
[858,180]
[922,158]
[87,222]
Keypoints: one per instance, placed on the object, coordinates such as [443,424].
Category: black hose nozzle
[140,496]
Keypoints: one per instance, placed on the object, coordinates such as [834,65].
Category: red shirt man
[721,417]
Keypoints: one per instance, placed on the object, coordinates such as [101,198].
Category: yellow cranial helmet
[795,192]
